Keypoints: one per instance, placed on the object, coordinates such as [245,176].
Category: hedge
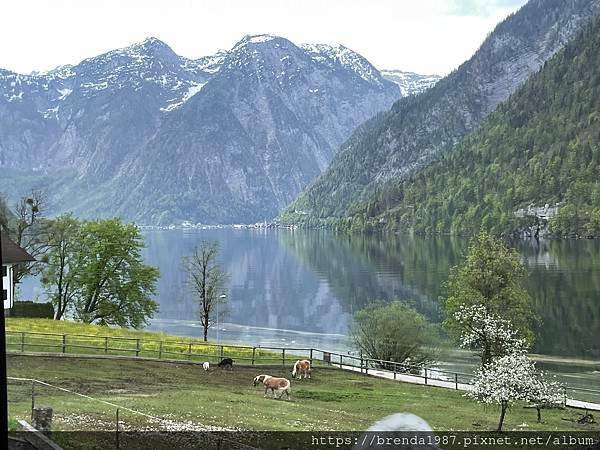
[32,309]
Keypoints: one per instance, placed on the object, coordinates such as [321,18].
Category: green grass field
[185,394]
[88,339]
[154,395]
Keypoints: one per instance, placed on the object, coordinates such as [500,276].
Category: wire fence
[199,351]
[120,424]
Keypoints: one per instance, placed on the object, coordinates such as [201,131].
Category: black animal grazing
[226,363]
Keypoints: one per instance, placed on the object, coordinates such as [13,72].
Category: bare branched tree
[30,231]
[206,280]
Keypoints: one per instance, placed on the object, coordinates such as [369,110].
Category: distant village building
[12,255]
[545,212]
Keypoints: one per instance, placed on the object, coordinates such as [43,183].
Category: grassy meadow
[82,338]
[184,393]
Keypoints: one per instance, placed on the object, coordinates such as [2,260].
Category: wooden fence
[199,351]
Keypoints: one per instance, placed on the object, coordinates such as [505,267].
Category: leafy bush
[395,332]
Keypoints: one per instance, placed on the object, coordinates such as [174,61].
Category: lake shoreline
[382,233]
[453,354]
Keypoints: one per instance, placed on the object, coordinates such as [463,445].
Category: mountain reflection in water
[312,281]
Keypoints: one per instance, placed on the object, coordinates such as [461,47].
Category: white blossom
[547,393]
[512,378]
[483,328]
[505,380]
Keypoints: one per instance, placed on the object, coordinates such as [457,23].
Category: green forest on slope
[417,130]
[540,147]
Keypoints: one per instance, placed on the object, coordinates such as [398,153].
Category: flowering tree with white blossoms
[504,381]
[546,394]
[490,334]
[511,378]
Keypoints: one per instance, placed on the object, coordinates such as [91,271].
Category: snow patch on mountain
[258,38]
[191,91]
[338,54]
[410,83]
[64,93]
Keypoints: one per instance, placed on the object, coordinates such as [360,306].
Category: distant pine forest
[533,166]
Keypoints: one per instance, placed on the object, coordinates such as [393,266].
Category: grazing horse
[273,383]
[206,366]
[226,363]
[301,367]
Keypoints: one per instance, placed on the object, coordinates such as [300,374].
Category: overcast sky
[425,36]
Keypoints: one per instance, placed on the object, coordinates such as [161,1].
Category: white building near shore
[11,255]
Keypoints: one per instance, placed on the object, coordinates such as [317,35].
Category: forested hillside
[417,130]
[542,147]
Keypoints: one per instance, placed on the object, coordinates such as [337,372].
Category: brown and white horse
[274,383]
[301,367]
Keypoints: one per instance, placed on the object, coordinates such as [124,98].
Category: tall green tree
[60,276]
[491,278]
[206,280]
[116,286]
[394,332]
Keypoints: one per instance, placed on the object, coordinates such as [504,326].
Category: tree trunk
[205,333]
[61,311]
[486,355]
[503,407]
[539,412]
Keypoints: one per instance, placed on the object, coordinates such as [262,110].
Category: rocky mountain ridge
[247,128]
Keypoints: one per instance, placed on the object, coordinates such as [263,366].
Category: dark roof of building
[12,253]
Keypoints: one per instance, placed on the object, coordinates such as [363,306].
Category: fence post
[425,375]
[341,360]
[64,343]
[106,345]
[22,342]
[456,380]
[160,344]
[137,347]
[190,351]
[253,354]
[32,398]
[117,430]
[283,356]
[311,357]
[395,368]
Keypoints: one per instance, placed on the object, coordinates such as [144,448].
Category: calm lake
[309,283]
[300,288]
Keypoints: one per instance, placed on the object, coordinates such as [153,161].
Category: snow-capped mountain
[338,55]
[146,134]
[410,83]
[150,62]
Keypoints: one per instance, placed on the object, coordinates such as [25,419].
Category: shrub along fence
[32,309]
[199,351]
